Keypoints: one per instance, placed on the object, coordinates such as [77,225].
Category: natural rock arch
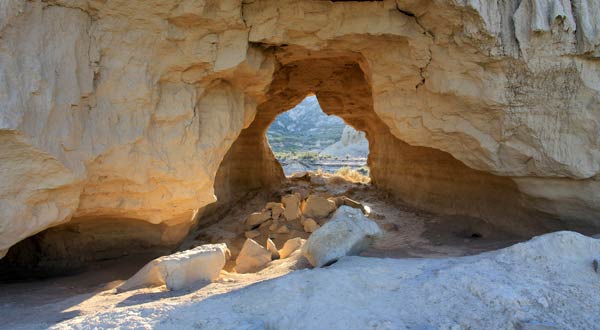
[426,177]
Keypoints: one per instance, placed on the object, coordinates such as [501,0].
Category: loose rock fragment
[290,246]
[310,225]
[257,218]
[282,230]
[348,233]
[318,207]
[317,180]
[291,203]
[253,257]
[276,209]
[181,269]
[273,249]
[252,234]
[343,200]
[390,226]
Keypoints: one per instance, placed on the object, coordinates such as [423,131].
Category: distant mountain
[353,143]
[305,128]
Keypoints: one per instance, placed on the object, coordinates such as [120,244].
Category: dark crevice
[426,32]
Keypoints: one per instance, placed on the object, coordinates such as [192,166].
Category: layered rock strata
[143,109]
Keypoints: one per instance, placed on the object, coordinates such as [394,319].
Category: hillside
[304,128]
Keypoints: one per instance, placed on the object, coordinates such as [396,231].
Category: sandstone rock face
[145,110]
[348,232]
[179,270]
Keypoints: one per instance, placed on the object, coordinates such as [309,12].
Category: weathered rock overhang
[114,110]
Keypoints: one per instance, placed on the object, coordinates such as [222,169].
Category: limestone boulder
[182,269]
[318,207]
[253,257]
[348,233]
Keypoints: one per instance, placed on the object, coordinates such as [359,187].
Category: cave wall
[125,109]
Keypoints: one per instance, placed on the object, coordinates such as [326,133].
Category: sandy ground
[418,234]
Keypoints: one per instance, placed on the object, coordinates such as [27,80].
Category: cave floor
[410,233]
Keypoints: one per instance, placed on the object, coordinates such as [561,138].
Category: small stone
[273,249]
[252,257]
[265,224]
[283,230]
[310,225]
[343,200]
[389,226]
[317,180]
[252,234]
[595,264]
[291,204]
[290,246]
[276,209]
[257,218]
[318,207]
[274,226]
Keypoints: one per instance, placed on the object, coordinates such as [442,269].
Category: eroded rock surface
[144,110]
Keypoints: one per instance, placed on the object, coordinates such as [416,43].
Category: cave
[424,177]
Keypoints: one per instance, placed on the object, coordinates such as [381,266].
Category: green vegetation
[299,155]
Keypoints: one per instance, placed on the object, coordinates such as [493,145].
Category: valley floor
[427,272]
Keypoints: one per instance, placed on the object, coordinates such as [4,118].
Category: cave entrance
[306,139]
[423,177]
[342,89]
[405,180]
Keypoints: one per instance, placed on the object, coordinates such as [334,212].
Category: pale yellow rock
[292,206]
[252,257]
[273,249]
[318,207]
[310,225]
[277,209]
[290,246]
[283,229]
[252,234]
[257,218]
[266,224]
[343,200]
